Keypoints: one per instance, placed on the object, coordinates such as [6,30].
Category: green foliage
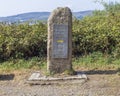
[96,61]
[96,33]
[99,32]
[111,8]
[93,61]
[22,40]
[20,64]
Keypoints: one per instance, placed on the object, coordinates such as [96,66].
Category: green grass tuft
[94,61]
[18,64]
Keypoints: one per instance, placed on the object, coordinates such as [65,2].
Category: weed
[118,69]
[18,64]
[93,61]
[96,60]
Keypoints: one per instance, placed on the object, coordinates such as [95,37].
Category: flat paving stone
[38,79]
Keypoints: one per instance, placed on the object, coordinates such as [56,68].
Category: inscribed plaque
[60,41]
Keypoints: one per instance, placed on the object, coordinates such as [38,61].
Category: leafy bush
[97,33]
[22,40]
[100,32]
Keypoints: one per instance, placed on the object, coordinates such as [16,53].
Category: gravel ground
[97,85]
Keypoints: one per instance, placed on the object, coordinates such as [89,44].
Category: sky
[14,7]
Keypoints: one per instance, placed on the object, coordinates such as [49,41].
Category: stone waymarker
[59,47]
[59,50]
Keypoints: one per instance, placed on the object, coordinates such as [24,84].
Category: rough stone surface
[59,47]
[37,78]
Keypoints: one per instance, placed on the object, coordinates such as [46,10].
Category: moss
[69,72]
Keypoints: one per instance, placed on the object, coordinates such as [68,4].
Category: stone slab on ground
[37,79]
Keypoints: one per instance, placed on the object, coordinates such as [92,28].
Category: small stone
[34,76]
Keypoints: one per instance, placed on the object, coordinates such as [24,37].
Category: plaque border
[66,44]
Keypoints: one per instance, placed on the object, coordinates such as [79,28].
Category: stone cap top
[60,11]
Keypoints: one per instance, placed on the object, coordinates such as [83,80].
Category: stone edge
[43,80]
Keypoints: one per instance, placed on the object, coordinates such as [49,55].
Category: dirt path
[97,85]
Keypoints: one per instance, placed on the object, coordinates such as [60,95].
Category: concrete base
[37,79]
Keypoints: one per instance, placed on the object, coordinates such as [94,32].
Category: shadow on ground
[7,77]
[101,72]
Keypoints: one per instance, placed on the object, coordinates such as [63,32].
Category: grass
[94,61]
[34,63]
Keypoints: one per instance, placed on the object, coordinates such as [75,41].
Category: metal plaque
[60,41]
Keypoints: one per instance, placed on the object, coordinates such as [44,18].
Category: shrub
[22,40]
[97,33]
